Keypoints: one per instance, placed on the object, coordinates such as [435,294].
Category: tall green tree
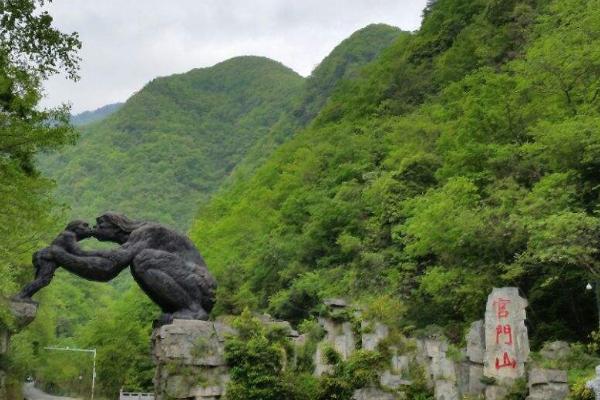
[31,50]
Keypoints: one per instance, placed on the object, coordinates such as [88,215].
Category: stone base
[372,394]
[23,312]
[189,358]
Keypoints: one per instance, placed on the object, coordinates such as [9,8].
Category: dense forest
[461,159]
[171,143]
[411,172]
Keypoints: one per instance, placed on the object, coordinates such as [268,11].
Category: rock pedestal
[23,313]
[189,358]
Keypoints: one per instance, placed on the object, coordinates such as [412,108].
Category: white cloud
[126,43]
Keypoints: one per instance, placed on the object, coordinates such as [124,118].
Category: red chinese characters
[500,306]
[504,330]
[504,334]
[507,362]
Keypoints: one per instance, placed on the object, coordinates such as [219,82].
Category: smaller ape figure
[44,262]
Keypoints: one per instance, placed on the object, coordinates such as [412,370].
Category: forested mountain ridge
[462,158]
[343,63]
[173,142]
[88,117]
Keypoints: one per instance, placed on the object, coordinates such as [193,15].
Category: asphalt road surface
[32,393]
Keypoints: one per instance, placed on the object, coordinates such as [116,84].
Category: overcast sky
[126,43]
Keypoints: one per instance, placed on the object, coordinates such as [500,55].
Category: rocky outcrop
[372,394]
[339,335]
[23,313]
[558,350]
[472,368]
[441,371]
[189,358]
[594,384]
[547,384]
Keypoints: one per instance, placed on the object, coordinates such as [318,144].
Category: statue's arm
[95,265]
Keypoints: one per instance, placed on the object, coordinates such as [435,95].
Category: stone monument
[165,264]
[506,341]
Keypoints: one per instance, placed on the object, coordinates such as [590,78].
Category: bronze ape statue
[45,264]
[165,264]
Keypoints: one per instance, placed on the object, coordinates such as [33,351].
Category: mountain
[87,117]
[464,157]
[342,64]
[174,142]
[170,145]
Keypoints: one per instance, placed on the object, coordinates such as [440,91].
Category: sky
[127,43]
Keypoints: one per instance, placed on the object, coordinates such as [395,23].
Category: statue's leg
[44,274]
[164,278]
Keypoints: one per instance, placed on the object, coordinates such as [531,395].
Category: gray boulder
[547,384]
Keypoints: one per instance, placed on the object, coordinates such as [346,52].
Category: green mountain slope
[174,141]
[463,158]
[342,64]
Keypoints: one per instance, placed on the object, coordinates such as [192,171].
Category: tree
[31,50]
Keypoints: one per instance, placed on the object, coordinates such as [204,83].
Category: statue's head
[114,227]
[81,229]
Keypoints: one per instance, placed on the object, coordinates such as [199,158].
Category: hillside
[87,117]
[173,142]
[461,159]
[342,64]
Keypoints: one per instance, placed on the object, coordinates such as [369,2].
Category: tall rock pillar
[23,313]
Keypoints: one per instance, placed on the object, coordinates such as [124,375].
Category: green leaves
[445,222]
[566,239]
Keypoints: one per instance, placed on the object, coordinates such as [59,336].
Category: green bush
[419,390]
[256,363]
[580,392]
[360,370]
[518,391]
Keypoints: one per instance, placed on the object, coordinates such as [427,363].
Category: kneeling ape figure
[44,262]
[165,264]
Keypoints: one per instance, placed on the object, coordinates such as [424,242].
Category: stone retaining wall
[191,366]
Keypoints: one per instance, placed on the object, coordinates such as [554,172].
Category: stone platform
[189,358]
[23,313]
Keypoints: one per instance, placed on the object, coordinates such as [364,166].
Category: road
[32,393]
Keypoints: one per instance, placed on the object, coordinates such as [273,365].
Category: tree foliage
[462,158]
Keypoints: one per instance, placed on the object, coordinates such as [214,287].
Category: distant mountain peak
[88,117]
